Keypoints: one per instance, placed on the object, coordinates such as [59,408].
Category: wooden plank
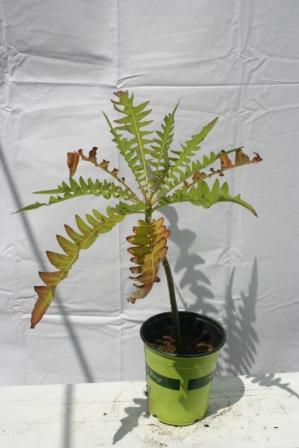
[243,412]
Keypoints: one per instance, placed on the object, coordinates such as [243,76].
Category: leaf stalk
[174,307]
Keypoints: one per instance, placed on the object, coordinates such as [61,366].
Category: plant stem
[174,307]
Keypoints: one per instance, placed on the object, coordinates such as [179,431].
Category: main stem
[174,307]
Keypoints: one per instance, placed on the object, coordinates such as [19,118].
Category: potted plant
[181,348]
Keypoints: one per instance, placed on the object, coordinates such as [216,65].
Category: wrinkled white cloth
[60,64]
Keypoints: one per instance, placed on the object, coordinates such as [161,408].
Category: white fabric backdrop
[60,63]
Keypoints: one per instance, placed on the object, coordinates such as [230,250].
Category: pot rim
[213,322]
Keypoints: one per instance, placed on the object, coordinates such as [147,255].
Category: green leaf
[123,208]
[181,162]
[159,160]
[202,195]
[135,150]
[82,188]
[187,171]
[31,206]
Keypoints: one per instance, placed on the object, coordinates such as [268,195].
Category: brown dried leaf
[225,160]
[72,161]
[104,164]
[114,172]
[241,158]
[92,155]
[198,176]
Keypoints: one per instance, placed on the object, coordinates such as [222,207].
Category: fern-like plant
[164,176]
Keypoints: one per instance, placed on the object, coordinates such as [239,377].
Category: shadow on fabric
[189,263]
[66,436]
[70,328]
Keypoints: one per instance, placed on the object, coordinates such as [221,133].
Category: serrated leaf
[202,195]
[51,278]
[87,187]
[31,206]
[135,150]
[75,236]
[182,160]
[160,148]
[63,262]
[149,249]
[74,185]
[68,246]
[59,261]
[45,297]
[82,226]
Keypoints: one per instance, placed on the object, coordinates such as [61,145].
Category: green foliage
[201,194]
[126,209]
[128,150]
[133,123]
[163,176]
[75,189]
[159,150]
[182,166]
[179,175]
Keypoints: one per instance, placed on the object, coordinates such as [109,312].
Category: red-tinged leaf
[45,297]
[135,269]
[51,279]
[72,249]
[149,249]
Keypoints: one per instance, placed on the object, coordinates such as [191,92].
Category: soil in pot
[192,344]
[200,335]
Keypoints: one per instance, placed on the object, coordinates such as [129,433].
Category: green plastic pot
[178,386]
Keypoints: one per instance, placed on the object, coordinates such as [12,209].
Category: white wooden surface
[243,412]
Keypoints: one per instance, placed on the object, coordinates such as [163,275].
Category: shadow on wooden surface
[225,393]
[272,380]
[131,420]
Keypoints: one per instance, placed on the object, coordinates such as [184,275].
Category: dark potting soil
[192,345]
